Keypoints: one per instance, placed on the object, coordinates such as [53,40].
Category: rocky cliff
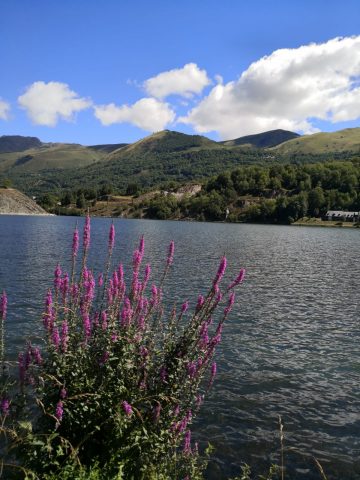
[13,202]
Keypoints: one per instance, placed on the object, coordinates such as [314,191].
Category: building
[341,216]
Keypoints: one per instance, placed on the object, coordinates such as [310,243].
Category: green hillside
[163,158]
[263,140]
[49,156]
[318,143]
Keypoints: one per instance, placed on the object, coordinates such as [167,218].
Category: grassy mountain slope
[347,140]
[50,156]
[263,140]
[165,141]
[162,158]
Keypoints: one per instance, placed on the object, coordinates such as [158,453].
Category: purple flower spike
[87,325]
[127,408]
[184,306]
[63,393]
[220,272]
[104,321]
[170,257]
[200,302]
[100,280]
[238,279]
[86,237]
[75,244]
[3,306]
[230,303]
[187,443]
[56,338]
[213,373]
[4,406]
[59,412]
[57,277]
[64,335]
[112,237]
[35,352]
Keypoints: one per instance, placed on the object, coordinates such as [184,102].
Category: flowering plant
[119,380]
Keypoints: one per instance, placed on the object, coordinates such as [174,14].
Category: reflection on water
[290,348]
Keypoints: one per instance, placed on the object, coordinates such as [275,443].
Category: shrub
[114,390]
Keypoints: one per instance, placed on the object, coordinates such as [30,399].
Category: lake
[290,347]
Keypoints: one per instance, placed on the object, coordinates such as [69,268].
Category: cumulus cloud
[148,113]
[185,81]
[47,103]
[4,110]
[287,89]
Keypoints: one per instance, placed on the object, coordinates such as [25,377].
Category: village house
[341,216]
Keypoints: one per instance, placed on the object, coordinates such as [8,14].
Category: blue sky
[95,72]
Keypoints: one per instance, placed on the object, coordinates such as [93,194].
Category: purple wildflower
[230,303]
[238,279]
[57,277]
[127,408]
[47,316]
[56,338]
[63,393]
[64,335]
[75,244]
[136,260]
[191,369]
[220,272]
[111,237]
[200,302]
[163,374]
[4,406]
[170,257]
[100,280]
[86,325]
[104,320]
[35,352]
[184,306]
[104,358]
[187,443]
[213,373]
[199,400]
[59,412]
[65,286]
[3,306]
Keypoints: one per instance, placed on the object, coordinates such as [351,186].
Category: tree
[80,201]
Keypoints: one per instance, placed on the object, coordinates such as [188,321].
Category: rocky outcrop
[13,202]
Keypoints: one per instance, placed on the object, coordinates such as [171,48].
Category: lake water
[290,348]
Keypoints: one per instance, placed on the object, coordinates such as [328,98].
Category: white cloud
[287,89]
[4,110]
[148,113]
[184,81]
[47,103]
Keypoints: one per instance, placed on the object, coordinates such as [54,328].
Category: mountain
[347,140]
[164,157]
[50,156]
[13,202]
[166,141]
[17,143]
[263,140]
[108,148]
